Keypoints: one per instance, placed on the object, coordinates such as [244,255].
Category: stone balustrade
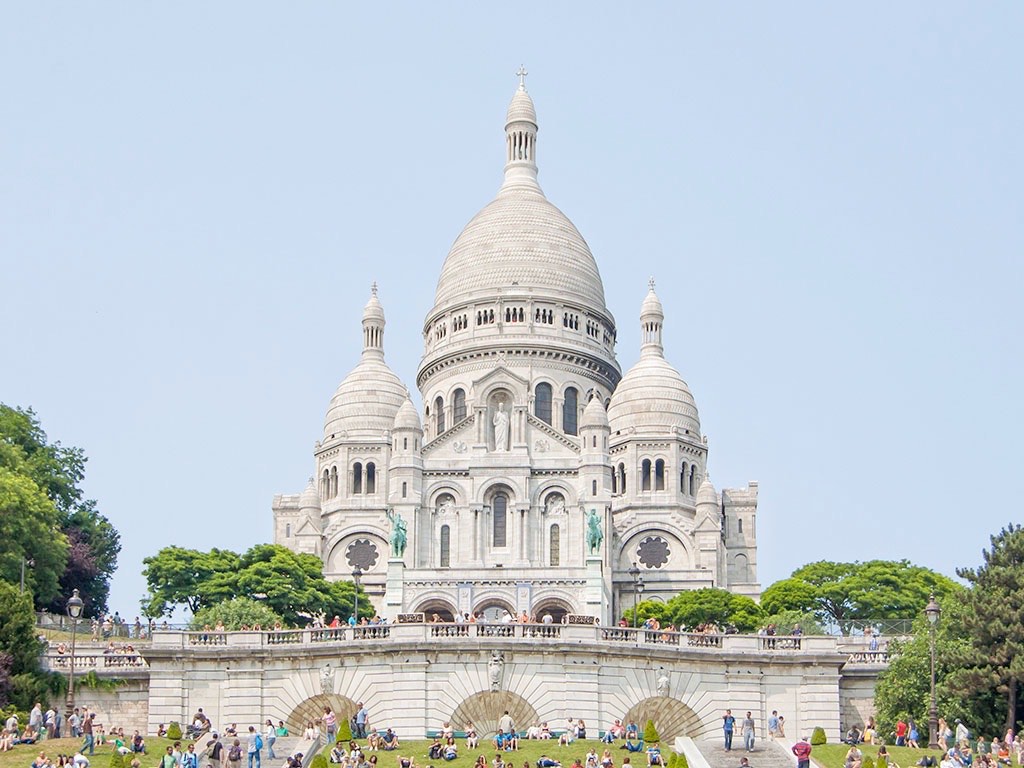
[429,633]
[100,662]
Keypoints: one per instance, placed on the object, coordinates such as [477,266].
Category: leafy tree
[786,620]
[178,576]
[235,613]
[994,620]
[23,680]
[32,532]
[700,606]
[840,593]
[90,544]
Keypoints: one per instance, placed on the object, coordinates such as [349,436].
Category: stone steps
[766,754]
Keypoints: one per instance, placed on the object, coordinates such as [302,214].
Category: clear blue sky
[195,198]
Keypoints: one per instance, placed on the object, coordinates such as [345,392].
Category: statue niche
[499,422]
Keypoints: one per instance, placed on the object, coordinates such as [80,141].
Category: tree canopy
[289,584]
[840,593]
[234,614]
[61,536]
[692,608]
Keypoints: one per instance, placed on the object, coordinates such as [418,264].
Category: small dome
[373,309]
[407,417]
[651,306]
[309,498]
[652,398]
[706,493]
[367,401]
[521,108]
[594,415]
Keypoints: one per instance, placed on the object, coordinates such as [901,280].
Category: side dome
[309,499]
[369,398]
[407,417]
[594,415]
[652,397]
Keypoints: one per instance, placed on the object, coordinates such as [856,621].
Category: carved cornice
[450,433]
[474,358]
[550,431]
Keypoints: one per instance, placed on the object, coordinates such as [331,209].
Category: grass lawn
[528,752]
[23,754]
[834,755]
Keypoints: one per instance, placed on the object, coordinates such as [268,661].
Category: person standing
[270,736]
[773,724]
[89,742]
[35,718]
[189,758]
[253,748]
[361,717]
[330,725]
[962,734]
[748,732]
[168,761]
[215,750]
[728,724]
[802,750]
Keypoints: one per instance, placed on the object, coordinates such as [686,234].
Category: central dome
[520,243]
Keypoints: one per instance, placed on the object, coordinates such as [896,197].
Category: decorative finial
[521,74]
[650,283]
[373,288]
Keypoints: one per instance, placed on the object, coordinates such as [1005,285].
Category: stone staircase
[284,747]
[766,754]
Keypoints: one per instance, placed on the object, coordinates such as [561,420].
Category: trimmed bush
[818,737]
[117,760]
[650,733]
[882,762]
[344,731]
[683,762]
[174,730]
[319,761]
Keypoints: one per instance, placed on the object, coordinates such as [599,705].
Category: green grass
[23,754]
[528,752]
[834,755]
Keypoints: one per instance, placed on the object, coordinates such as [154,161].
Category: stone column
[393,599]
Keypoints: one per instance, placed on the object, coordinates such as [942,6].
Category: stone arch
[485,708]
[671,717]
[441,606]
[556,606]
[500,602]
[312,709]
[678,541]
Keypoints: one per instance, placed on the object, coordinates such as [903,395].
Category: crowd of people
[957,747]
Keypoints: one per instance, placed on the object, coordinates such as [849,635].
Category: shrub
[117,760]
[344,730]
[882,762]
[174,730]
[319,762]
[683,762]
[818,737]
[650,733]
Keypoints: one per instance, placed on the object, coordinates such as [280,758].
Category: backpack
[259,742]
[235,753]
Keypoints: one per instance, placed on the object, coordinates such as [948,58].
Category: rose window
[653,552]
[362,552]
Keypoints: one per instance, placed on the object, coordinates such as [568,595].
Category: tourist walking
[728,724]
[253,748]
[802,750]
[773,724]
[270,736]
[88,743]
[748,732]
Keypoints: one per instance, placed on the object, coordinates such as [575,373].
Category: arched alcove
[485,708]
[312,709]
[671,717]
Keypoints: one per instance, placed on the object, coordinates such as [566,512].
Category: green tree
[700,606]
[91,544]
[19,650]
[235,613]
[32,533]
[840,593]
[994,621]
[177,576]
[786,620]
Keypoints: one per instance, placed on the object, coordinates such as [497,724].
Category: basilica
[537,477]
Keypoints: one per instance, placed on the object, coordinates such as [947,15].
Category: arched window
[439,414]
[371,477]
[405,490]
[739,525]
[622,478]
[357,478]
[446,546]
[542,402]
[684,484]
[405,443]
[500,523]
[334,482]
[288,531]
[593,487]
[615,481]
[325,486]
[693,479]
[659,475]
[645,475]
[555,546]
[569,411]
[458,406]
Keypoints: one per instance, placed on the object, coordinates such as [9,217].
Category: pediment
[307,528]
[499,373]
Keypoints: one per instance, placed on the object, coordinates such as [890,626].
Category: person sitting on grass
[138,744]
[654,755]
[472,740]
[434,750]
[337,754]
[373,741]
[854,758]
[633,746]
[451,750]
[548,762]
[389,740]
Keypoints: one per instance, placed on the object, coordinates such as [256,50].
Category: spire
[652,318]
[373,325]
[521,137]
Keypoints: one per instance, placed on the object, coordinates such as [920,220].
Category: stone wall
[126,706]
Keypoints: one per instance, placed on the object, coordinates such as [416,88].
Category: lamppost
[75,606]
[634,574]
[932,611]
[29,562]
[357,574]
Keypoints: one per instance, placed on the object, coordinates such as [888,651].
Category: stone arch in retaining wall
[485,708]
[671,717]
[312,709]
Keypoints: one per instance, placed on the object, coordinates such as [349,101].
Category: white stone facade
[528,430]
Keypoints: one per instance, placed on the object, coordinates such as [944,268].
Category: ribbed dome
[706,493]
[521,108]
[407,417]
[594,415]
[366,402]
[520,241]
[652,398]
[309,498]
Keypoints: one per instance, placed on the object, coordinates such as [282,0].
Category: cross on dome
[521,74]
[650,283]
[373,287]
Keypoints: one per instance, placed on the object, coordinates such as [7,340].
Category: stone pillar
[594,605]
[394,596]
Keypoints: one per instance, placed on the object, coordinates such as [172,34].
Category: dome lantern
[652,318]
[373,325]
[521,137]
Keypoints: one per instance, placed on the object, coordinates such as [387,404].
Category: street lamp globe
[75,606]
[932,611]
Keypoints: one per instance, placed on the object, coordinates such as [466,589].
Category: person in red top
[802,750]
[901,733]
